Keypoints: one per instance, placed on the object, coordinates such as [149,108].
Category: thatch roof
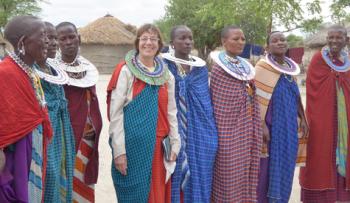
[319,39]
[107,30]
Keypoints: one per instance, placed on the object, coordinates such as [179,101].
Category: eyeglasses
[152,39]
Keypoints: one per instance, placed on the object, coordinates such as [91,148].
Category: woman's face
[234,42]
[336,41]
[148,44]
[52,36]
[182,42]
[68,40]
[278,44]
[36,43]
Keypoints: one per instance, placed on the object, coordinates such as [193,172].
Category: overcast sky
[135,12]
[82,12]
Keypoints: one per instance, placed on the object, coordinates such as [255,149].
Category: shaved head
[176,28]
[227,29]
[64,24]
[19,27]
[48,24]
[338,28]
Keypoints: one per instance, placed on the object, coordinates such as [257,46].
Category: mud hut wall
[105,57]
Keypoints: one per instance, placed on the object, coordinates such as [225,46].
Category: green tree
[256,18]
[10,8]
[295,41]
[186,12]
[340,11]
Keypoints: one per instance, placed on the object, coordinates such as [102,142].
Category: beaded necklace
[60,78]
[73,63]
[81,72]
[236,65]
[158,68]
[75,67]
[240,67]
[193,61]
[344,56]
[182,72]
[33,77]
[247,84]
[288,67]
[158,77]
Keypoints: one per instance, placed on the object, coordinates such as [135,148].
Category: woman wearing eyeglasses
[142,112]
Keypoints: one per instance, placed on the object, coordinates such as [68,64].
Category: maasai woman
[196,121]
[61,154]
[237,116]
[326,177]
[24,122]
[280,106]
[142,111]
[84,111]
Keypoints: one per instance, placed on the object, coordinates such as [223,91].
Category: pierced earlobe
[22,49]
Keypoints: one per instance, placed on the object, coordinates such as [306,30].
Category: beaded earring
[21,49]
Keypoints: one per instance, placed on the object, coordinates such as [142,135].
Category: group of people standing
[176,134]
[51,122]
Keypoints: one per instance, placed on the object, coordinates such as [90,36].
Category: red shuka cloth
[112,84]
[321,111]
[78,110]
[20,110]
[159,191]
[296,54]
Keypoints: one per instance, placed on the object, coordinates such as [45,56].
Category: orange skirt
[159,191]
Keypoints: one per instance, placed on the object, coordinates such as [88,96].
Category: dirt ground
[104,190]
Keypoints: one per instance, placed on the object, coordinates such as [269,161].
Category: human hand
[121,164]
[266,134]
[304,128]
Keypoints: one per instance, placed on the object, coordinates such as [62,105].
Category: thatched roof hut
[106,30]
[106,41]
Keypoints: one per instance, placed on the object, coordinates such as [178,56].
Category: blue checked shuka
[284,139]
[182,119]
[60,151]
[198,135]
[35,186]
[140,122]
[240,139]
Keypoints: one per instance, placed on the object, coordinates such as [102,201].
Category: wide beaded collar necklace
[290,67]
[158,77]
[60,77]
[344,56]
[236,67]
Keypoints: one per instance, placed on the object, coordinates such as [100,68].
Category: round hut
[106,41]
